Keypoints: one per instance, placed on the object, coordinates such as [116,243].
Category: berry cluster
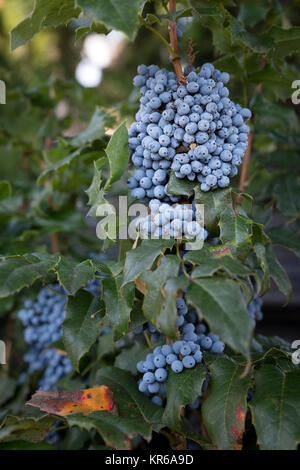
[254,308]
[43,320]
[193,129]
[185,353]
[177,221]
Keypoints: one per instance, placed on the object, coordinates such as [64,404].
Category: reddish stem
[174,43]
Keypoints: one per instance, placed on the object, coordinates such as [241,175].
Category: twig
[174,43]
[245,168]
[246,160]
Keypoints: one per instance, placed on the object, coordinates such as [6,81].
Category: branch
[245,167]
[174,43]
[246,160]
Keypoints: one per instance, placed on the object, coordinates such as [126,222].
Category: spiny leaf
[117,152]
[275,407]
[82,325]
[224,411]
[222,305]
[117,14]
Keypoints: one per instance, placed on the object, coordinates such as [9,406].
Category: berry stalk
[174,43]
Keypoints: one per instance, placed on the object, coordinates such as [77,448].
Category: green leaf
[143,257]
[95,129]
[155,281]
[278,273]
[64,163]
[210,261]
[230,64]
[259,43]
[5,189]
[214,204]
[224,411]
[236,231]
[82,325]
[222,305]
[115,431]
[135,410]
[46,13]
[273,117]
[17,272]
[116,14]
[118,302]
[286,41]
[130,402]
[98,28]
[180,187]
[182,389]
[7,389]
[252,13]
[167,318]
[275,407]
[23,445]
[287,195]
[106,344]
[129,357]
[207,11]
[26,429]
[117,152]
[73,276]
[94,189]
[283,235]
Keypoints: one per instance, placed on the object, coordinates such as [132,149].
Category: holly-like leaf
[115,431]
[14,428]
[46,13]
[208,261]
[95,129]
[167,318]
[129,357]
[73,276]
[214,203]
[259,43]
[223,306]
[143,257]
[69,402]
[7,388]
[277,272]
[286,41]
[275,407]
[117,153]
[132,405]
[116,14]
[224,410]
[283,236]
[5,190]
[180,187]
[17,272]
[118,302]
[82,325]
[236,231]
[287,194]
[182,389]
[154,283]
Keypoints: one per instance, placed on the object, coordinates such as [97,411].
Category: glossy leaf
[224,410]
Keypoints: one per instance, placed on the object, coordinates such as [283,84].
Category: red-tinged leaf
[67,403]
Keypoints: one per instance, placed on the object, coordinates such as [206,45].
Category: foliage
[50,176]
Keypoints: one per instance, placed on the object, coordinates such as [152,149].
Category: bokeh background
[53,87]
